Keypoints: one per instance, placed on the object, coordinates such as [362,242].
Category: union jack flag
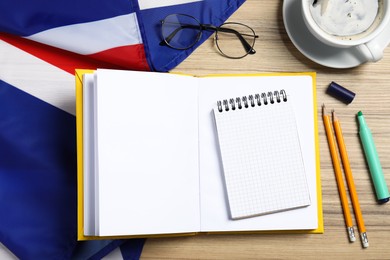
[37,166]
[115,34]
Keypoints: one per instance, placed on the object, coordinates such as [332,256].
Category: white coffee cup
[370,43]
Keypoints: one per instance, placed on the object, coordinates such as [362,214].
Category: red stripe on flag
[69,61]
[131,56]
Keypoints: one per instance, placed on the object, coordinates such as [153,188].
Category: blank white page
[89,157]
[261,157]
[147,135]
[214,202]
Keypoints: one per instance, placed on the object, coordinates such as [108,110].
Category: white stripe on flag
[92,37]
[147,4]
[114,255]
[36,77]
[5,254]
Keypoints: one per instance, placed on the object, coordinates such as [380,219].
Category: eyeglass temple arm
[244,42]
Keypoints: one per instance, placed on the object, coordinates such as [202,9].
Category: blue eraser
[340,92]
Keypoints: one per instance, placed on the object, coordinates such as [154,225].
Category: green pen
[382,193]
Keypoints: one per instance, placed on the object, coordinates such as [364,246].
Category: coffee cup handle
[373,50]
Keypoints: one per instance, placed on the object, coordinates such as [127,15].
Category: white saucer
[310,46]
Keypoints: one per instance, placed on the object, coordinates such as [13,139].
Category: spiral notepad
[261,154]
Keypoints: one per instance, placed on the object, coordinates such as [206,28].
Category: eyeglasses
[233,40]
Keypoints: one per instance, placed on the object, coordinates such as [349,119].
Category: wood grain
[370,82]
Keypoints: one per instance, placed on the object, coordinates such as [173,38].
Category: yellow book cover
[168,105]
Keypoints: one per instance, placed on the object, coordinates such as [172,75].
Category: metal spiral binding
[264,98]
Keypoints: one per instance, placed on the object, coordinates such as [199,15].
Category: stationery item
[340,92]
[154,134]
[382,192]
[261,154]
[337,171]
[350,181]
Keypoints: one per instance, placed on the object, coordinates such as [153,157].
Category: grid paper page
[262,160]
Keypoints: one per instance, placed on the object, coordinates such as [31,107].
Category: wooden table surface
[370,82]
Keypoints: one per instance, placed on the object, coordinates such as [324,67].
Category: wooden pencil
[349,179]
[338,174]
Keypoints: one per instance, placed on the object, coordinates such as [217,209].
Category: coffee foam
[346,19]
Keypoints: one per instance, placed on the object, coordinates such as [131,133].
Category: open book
[151,160]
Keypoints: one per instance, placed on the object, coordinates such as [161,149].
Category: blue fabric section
[163,58]
[94,249]
[106,250]
[24,18]
[37,177]
[132,249]
[38,196]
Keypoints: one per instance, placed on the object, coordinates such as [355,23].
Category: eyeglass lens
[230,44]
[181,31]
